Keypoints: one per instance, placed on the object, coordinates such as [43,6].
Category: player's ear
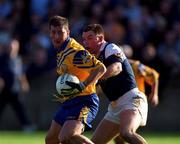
[68,31]
[101,37]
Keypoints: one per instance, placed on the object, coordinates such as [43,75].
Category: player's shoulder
[113,49]
[81,53]
[83,59]
[75,45]
[113,46]
[75,49]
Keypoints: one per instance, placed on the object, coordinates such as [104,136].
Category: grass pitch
[17,137]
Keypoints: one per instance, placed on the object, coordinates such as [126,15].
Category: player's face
[58,35]
[91,41]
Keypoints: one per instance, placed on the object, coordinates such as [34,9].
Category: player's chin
[57,45]
[89,49]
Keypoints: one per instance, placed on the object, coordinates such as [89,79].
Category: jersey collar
[64,45]
[102,46]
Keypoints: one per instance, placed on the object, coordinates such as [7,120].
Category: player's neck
[98,50]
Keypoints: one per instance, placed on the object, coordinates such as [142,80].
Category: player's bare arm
[95,75]
[112,70]
[153,97]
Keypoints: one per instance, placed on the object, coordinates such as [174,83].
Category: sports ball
[61,82]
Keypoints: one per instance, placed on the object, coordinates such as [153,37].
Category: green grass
[15,137]
[162,138]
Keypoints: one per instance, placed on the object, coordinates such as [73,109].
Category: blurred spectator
[118,31]
[133,11]
[37,58]
[40,8]
[5,8]
[167,11]
[167,51]
[96,13]
[128,50]
[13,83]
[150,58]
[77,21]
[168,55]
[139,23]
[60,7]
[43,37]
[157,33]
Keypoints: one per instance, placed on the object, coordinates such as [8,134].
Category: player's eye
[53,32]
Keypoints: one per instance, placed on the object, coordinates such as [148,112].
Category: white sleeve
[113,49]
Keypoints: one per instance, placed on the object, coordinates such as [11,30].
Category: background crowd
[148,27]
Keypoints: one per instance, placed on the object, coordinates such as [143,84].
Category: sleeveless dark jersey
[115,87]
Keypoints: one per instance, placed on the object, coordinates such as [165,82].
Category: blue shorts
[83,108]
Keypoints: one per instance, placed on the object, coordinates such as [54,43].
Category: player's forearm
[95,75]
[156,85]
[154,88]
[112,70]
[153,98]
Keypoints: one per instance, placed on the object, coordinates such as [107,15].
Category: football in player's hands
[79,86]
[75,88]
[63,89]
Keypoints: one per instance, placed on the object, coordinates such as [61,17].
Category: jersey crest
[120,55]
[82,59]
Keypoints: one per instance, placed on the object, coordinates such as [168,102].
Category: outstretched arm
[152,78]
[153,97]
[112,70]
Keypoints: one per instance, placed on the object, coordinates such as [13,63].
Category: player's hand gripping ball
[63,88]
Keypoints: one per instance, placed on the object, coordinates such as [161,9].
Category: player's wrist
[82,86]
[100,81]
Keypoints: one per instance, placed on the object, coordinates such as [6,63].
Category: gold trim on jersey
[84,114]
[61,56]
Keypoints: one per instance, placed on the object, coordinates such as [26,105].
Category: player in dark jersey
[128,106]
[144,75]
[75,114]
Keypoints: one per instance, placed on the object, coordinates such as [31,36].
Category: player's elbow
[116,69]
[103,69]
[119,69]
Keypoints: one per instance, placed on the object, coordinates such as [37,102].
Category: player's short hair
[58,21]
[96,28]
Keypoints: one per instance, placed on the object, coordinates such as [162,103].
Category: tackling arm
[95,74]
[95,68]
[152,78]
[112,70]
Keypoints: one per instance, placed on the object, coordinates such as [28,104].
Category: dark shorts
[83,108]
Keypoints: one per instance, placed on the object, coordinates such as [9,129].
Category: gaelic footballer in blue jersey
[128,106]
[81,103]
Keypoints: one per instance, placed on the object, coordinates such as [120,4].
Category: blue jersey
[115,87]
